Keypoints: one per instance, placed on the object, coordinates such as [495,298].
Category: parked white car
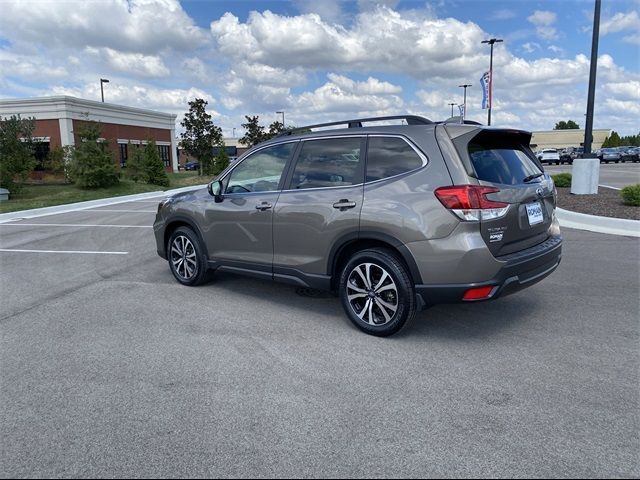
[549,155]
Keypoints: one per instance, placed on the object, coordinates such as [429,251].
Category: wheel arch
[353,243]
[180,221]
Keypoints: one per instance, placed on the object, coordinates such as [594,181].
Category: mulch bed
[607,203]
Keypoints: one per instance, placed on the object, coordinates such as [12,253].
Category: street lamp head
[492,41]
[104,80]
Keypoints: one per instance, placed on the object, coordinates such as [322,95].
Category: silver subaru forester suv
[393,218]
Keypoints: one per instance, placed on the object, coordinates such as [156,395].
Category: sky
[329,60]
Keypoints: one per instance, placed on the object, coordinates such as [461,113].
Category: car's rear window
[500,158]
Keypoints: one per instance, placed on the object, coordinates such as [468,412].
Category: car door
[320,204]
[239,228]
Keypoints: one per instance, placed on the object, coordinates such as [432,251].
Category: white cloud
[632,39]
[379,38]
[629,90]
[372,86]
[168,100]
[136,25]
[329,10]
[530,47]
[196,69]
[543,20]
[135,64]
[620,22]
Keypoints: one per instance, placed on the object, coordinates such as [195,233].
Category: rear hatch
[503,160]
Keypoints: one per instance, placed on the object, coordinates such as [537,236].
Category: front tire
[377,292]
[186,256]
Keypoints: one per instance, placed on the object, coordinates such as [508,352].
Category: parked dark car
[607,155]
[392,218]
[194,165]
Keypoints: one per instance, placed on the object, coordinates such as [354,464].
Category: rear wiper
[532,177]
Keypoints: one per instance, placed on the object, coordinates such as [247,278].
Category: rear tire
[377,292]
[186,257]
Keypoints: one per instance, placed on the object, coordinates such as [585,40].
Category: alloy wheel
[372,294]
[183,257]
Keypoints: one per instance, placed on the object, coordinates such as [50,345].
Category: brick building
[57,120]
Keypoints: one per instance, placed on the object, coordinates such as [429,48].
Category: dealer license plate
[534,212]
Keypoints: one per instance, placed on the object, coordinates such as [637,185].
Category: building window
[163,150]
[40,152]
[123,155]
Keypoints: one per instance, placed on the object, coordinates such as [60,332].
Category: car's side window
[331,162]
[261,171]
[389,156]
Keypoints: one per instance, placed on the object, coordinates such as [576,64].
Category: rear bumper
[520,270]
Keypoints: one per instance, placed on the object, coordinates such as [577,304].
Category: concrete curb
[102,202]
[593,223]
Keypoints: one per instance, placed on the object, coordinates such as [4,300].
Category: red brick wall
[112,132]
[48,128]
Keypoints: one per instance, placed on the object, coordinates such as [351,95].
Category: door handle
[344,204]
[264,206]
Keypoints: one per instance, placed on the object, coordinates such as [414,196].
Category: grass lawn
[36,196]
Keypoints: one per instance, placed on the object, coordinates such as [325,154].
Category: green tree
[16,152]
[93,165]
[222,160]
[254,132]
[275,129]
[568,125]
[200,135]
[612,140]
[154,171]
[135,163]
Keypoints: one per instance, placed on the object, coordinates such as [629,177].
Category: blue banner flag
[485,84]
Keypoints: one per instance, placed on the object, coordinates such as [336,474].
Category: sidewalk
[102,202]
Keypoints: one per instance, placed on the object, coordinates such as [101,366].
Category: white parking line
[70,225]
[84,252]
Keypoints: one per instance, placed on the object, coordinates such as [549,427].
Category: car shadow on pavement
[452,321]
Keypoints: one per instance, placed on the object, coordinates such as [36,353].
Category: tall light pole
[464,112]
[282,118]
[451,105]
[491,42]
[234,132]
[588,130]
[102,80]
[586,170]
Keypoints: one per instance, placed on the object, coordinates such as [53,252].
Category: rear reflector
[469,202]
[478,293]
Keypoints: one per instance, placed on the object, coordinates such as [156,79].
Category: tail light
[469,202]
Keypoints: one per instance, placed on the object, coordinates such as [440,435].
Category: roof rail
[357,123]
[455,120]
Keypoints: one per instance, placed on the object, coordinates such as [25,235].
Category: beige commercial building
[567,138]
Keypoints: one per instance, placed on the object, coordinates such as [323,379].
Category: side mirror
[215,190]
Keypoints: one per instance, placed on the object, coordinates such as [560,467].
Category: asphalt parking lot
[109,368]
[617,175]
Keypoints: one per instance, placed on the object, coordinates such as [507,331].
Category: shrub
[135,163]
[221,161]
[631,195]
[562,179]
[93,165]
[16,152]
[153,167]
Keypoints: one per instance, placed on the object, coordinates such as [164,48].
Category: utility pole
[491,42]
[586,170]
[102,80]
[451,105]
[464,112]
